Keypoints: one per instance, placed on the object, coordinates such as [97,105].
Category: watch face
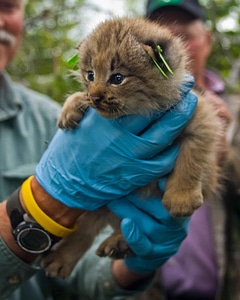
[32,238]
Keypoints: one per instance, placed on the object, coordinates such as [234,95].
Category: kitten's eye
[90,76]
[116,79]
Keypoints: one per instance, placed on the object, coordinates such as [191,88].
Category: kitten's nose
[96,99]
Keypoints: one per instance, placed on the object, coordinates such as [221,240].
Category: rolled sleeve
[13,271]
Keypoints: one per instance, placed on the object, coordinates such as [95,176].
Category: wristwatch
[29,235]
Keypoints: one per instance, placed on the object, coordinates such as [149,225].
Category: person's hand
[149,230]
[104,159]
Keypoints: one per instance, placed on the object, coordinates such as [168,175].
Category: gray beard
[7,38]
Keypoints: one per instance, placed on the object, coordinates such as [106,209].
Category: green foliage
[224,20]
[53,28]
[46,46]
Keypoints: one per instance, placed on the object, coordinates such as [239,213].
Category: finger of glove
[138,123]
[158,253]
[135,239]
[142,172]
[151,210]
[165,130]
[142,246]
[118,136]
[111,139]
[188,84]
[140,147]
[77,181]
[151,262]
[161,133]
[162,183]
[155,208]
[125,209]
[146,221]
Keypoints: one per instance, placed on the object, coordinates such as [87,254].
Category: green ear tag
[73,61]
[164,61]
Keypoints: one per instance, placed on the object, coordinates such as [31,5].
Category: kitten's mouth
[108,113]
[109,110]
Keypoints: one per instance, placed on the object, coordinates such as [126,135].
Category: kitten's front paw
[182,203]
[115,247]
[72,111]
[69,119]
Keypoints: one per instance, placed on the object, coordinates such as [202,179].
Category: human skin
[198,43]
[11,22]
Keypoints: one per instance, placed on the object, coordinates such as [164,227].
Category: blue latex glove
[150,231]
[104,159]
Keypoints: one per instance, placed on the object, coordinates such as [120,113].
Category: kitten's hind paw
[114,247]
[56,265]
[182,203]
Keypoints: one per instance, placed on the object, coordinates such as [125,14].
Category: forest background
[53,28]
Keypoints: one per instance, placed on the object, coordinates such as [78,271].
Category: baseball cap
[192,7]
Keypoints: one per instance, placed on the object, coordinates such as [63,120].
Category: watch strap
[20,220]
[14,209]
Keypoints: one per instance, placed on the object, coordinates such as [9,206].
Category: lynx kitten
[133,66]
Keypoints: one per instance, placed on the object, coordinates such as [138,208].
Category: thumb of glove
[135,239]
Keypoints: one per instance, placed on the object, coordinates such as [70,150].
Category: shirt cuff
[14,271]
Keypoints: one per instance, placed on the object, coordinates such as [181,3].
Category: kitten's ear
[147,48]
[79,45]
[155,52]
[152,50]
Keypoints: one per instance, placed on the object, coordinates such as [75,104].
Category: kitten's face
[120,75]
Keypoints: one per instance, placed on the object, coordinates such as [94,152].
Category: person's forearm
[5,233]
[67,217]
[57,211]
[54,209]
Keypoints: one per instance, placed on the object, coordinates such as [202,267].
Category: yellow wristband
[39,216]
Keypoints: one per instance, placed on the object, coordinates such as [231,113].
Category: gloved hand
[104,159]
[149,230]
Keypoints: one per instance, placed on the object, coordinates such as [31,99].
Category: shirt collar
[10,103]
